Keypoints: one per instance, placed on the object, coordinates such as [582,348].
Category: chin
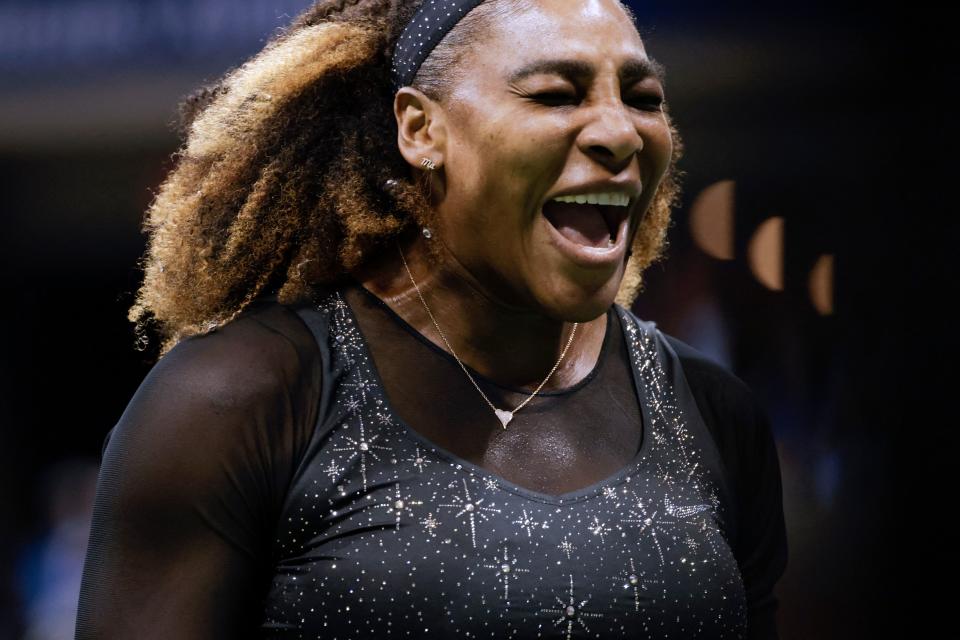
[573,302]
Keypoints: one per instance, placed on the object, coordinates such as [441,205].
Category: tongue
[579,223]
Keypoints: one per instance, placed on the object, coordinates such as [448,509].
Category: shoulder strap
[692,433]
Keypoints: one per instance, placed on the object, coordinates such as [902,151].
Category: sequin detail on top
[385,534]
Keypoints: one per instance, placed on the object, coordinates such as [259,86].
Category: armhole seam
[317,329]
[726,481]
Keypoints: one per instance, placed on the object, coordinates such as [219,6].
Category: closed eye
[652,103]
[555,96]
[647,103]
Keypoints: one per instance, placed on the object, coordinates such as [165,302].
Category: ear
[421,128]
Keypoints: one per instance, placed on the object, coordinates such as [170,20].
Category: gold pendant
[505,416]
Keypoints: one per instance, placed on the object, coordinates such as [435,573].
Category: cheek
[527,167]
[510,179]
[663,141]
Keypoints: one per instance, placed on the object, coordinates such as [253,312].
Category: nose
[612,136]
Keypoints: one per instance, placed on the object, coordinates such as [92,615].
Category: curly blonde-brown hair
[278,186]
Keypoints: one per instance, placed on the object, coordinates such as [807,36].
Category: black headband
[429,24]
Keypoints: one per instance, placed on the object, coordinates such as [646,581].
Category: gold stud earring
[427,163]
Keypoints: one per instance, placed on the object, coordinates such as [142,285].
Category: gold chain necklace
[504,416]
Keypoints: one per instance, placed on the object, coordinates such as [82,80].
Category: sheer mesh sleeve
[192,480]
[742,431]
[762,547]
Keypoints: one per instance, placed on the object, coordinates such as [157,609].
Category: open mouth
[591,225]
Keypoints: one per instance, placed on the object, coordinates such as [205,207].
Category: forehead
[591,30]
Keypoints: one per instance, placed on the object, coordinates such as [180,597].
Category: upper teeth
[616,199]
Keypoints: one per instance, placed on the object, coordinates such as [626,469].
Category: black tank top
[387,533]
[262,482]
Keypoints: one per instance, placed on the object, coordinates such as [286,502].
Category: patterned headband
[429,24]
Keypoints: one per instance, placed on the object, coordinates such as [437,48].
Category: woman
[401,390]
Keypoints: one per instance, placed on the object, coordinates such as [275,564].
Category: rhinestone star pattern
[384,534]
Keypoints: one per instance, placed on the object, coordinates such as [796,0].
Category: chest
[556,443]
[386,533]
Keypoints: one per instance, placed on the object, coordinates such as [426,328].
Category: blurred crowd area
[784,264]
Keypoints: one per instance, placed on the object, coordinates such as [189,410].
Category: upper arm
[761,548]
[190,475]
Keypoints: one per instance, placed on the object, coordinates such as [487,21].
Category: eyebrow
[632,69]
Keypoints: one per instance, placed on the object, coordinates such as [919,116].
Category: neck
[512,345]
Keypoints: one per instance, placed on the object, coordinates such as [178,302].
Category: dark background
[825,123]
